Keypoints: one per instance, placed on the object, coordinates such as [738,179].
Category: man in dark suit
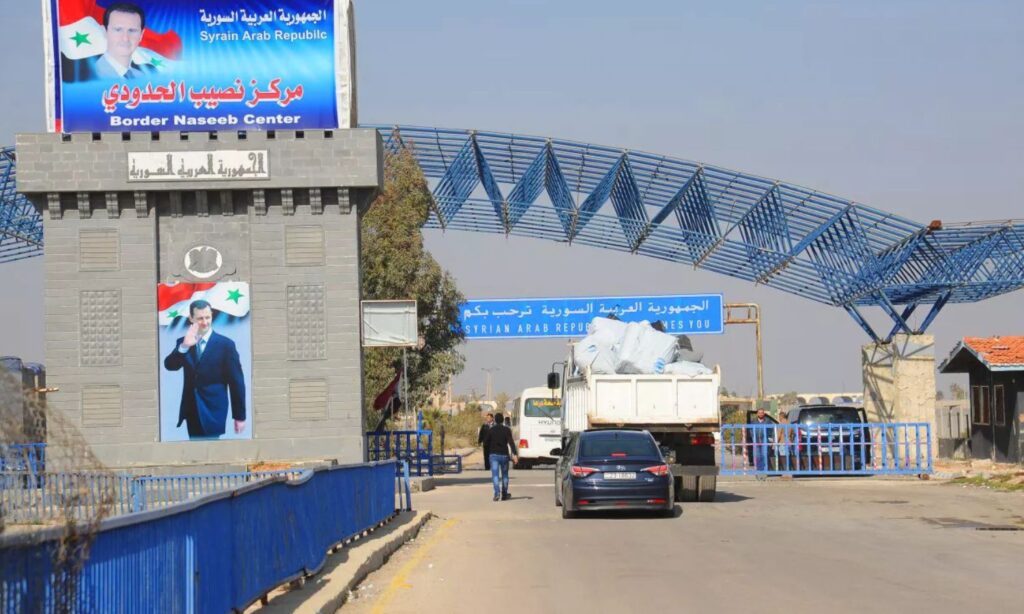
[486,426]
[212,372]
[124,23]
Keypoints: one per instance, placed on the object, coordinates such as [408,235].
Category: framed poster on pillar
[205,341]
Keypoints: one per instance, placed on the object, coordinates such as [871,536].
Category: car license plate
[620,475]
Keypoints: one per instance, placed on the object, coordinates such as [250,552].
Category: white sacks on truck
[613,347]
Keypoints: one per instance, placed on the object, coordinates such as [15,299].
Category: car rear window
[621,446]
[837,415]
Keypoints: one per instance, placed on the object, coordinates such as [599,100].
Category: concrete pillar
[899,380]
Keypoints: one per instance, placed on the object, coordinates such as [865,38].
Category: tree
[395,265]
[790,399]
[957,391]
[502,400]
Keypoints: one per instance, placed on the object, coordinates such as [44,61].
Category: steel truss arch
[821,247]
[21,227]
[814,245]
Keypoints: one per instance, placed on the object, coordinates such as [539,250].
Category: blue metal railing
[29,457]
[218,553]
[447,463]
[151,492]
[26,496]
[826,449]
[414,447]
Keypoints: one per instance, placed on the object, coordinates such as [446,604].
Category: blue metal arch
[21,227]
[814,245]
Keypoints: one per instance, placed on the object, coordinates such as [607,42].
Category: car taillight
[658,470]
[524,443]
[702,439]
[581,472]
[618,454]
[656,501]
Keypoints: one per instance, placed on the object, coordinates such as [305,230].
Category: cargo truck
[680,411]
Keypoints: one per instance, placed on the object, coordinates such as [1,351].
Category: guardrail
[826,449]
[151,492]
[414,447]
[26,496]
[218,553]
[31,497]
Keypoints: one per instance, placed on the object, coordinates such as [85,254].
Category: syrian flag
[82,35]
[389,401]
[173,300]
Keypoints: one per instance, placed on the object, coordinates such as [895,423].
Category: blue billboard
[183,65]
[690,314]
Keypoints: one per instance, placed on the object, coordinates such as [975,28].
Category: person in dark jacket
[486,426]
[499,446]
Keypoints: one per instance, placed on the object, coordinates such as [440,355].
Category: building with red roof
[995,368]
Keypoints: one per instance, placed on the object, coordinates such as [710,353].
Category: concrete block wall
[899,381]
[343,167]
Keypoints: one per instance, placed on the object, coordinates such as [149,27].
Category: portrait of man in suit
[123,23]
[213,380]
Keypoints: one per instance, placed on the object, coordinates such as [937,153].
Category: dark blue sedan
[613,470]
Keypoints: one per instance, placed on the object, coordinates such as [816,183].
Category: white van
[537,425]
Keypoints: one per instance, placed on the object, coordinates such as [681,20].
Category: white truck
[680,411]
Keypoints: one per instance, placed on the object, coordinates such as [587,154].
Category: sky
[912,107]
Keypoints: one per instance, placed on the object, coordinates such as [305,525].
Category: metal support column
[752,316]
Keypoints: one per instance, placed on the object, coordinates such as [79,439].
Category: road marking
[400,579]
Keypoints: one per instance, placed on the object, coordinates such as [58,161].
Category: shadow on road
[727,497]
[449,480]
[677,511]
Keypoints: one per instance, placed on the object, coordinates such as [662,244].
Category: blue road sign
[693,314]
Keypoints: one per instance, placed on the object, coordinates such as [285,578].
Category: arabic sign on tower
[186,65]
[693,314]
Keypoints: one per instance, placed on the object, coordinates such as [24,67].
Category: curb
[346,568]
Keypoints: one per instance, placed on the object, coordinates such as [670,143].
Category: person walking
[763,441]
[486,426]
[498,444]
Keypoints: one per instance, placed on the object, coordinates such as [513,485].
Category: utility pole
[489,386]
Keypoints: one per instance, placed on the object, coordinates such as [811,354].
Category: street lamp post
[489,385]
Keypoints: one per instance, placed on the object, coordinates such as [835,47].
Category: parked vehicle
[613,469]
[818,437]
[681,412]
[537,426]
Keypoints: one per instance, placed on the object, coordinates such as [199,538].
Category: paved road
[797,546]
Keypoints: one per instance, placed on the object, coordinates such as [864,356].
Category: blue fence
[26,496]
[31,497]
[826,449]
[30,457]
[447,463]
[413,447]
[218,553]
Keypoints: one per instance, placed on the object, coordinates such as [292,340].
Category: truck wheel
[708,484]
[688,492]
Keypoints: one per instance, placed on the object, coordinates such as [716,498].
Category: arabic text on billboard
[181,65]
[569,317]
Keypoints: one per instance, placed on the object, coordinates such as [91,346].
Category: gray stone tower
[118,222]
